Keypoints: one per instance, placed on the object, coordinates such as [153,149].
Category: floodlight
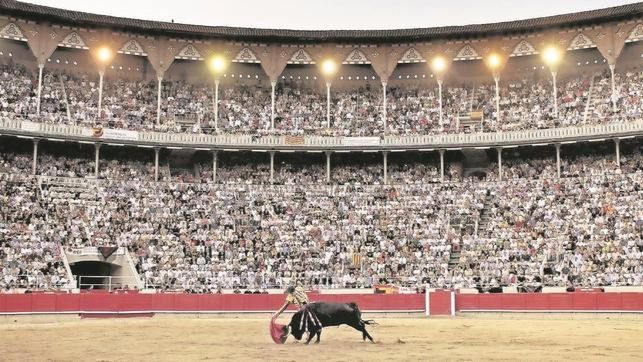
[104,54]
[329,67]
[217,64]
[493,61]
[552,56]
[439,64]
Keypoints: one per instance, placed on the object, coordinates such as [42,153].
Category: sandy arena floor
[505,337]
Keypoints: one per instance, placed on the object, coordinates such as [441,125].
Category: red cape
[278,332]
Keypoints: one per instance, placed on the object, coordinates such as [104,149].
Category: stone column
[328,153]
[96,159]
[34,166]
[215,156]
[499,149]
[441,165]
[385,160]
[617,143]
[156,163]
[272,167]
[557,159]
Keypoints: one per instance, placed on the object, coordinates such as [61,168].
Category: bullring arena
[489,337]
[514,327]
[173,191]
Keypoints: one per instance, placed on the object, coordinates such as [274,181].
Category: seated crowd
[246,109]
[188,234]
[582,232]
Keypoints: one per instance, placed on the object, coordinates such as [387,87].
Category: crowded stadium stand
[162,157]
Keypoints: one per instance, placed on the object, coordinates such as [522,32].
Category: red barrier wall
[178,302]
[439,302]
[550,302]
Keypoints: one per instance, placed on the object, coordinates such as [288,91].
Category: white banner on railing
[360,141]
[87,250]
[29,126]
[93,250]
[111,134]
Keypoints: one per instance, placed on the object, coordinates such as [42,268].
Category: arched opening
[96,275]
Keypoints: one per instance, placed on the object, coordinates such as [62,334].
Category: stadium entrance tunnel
[475,163]
[95,275]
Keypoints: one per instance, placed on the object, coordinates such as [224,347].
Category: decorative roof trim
[467,52]
[356,56]
[132,47]
[524,47]
[411,56]
[246,55]
[12,31]
[301,56]
[73,40]
[189,52]
[581,41]
[82,19]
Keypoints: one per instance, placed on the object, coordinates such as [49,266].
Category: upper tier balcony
[63,132]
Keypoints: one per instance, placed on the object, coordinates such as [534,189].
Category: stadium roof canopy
[82,19]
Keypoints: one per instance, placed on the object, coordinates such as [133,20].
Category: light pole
[384,83]
[104,55]
[101,74]
[438,65]
[216,104]
[328,68]
[217,66]
[612,68]
[494,63]
[552,57]
[158,99]
[40,68]
[273,84]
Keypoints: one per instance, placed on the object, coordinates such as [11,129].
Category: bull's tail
[369,322]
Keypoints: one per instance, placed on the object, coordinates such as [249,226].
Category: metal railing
[39,283]
[301,187]
[197,140]
[485,284]
[34,282]
[106,282]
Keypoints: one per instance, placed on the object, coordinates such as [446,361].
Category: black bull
[315,316]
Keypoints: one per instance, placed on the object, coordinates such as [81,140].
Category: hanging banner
[294,140]
[29,126]
[111,134]
[360,141]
